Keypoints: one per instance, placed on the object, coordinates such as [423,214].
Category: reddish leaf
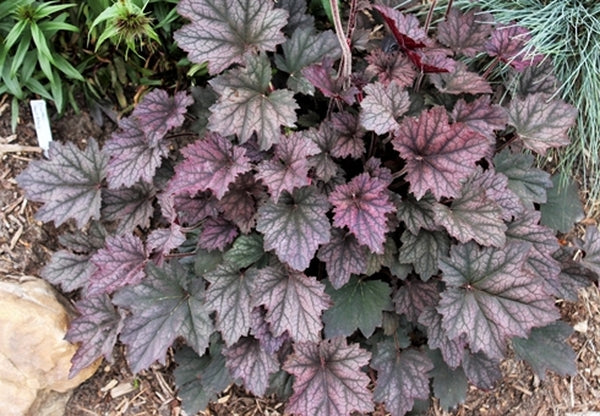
[216,234]
[473,216]
[239,204]
[163,240]
[439,155]
[248,105]
[401,377]
[193,209]
[320,75]
[132,207]
[158,113]
[294,302]
[134,155]
[489,297]
[328,379]
[510,45]
[167,305]
[405,27]
[481,116]
[465,33]
[343,256]
[349,142]
[295,226]
[383,106]
[95,329]
[460,81]
[119,264]
[214,32]
[229,295]
[261,330]
[388,67]
[432,60]
[414,296]
[362,205]
[68,184]
[452,349]
[288,169]
[541,122]
[209,164]
[248,361]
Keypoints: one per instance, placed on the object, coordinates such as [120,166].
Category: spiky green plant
[568,31]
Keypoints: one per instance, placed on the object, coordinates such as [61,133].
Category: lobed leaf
[563,207]
[481,116]
[419,214]
[239,204]
[343,256]
[461,81]
[248,361]
[423,251]
[166,305]
[158,112]
[509,44]
[383,106]
[216,234]
[490,297]
[328,379]
[68,184]
[294,302]
[452,350]
[68,270]
[414,297]
[482,371]
[295,226]
[132,207]
[438,155]
[349,142]
[390,67]
[591,248]
[465,33]
[227,32]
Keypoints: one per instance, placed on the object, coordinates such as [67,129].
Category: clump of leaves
[366,239]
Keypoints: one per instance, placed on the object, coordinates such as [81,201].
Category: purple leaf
[96,329]
[383,106]
[423,251]
[432,60]
[489,297]
[414,296]
[465,33]
[388,67]
[304,48]
[438,155]
[166,305]
[543,244]
[480,115]
[298,17]
[215,32]
[473,216]
[320,75]
[248,361]
[261,330]
[482,371]
[192,209]
[546,349]
[349,142]
[527,182]
[452,349]
[68,184]
[402,377]
[229,295]
[248,105]
[405,28]
[496,188]
[70,271]
[216,234]
[591,248]
[461,81]
[119,264]
[239,204]
[362,205]
[323,166]
[510,45]
[541,122]
[163,240]
[158,113]
[295,226]
[288,169]
[573,275]
[536,79]
[209,164]
[132,207]
[343,256]
[134,156]
[418,214]
[328,379]
[294,302]
[357,305]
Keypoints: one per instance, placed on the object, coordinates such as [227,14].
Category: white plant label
[42,124]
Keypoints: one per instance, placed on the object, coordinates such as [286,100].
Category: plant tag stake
[42,124]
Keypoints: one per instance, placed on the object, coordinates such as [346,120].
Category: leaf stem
[430,15]
[352,19]
[346,61]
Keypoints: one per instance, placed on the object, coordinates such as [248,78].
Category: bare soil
[26,244]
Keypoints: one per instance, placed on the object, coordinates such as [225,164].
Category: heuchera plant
[343,238]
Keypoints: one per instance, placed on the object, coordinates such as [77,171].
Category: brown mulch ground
[26,244]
